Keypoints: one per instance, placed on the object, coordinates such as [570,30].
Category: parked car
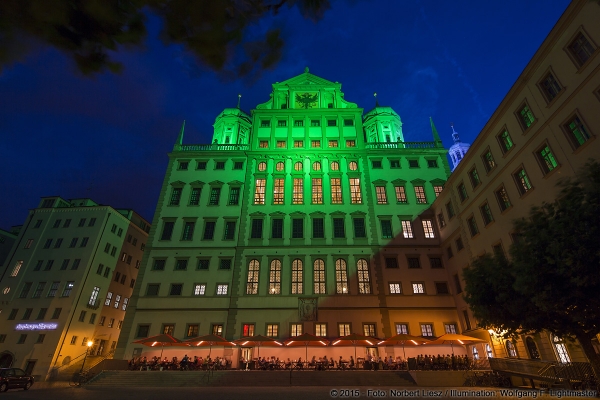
[12,378]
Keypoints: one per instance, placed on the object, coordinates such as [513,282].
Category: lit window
[401,329]
[298,166]
[450,328]
[272,330]
[522,181]
[355,194]
[319,276]
[275,277]
[68,288]
[474,177]
[502,197]
[427,330]
[546,158]
[400,194]
[344,329]
[488,160]
[316,166]
[526,117]
[278,191]
[315,143]
[335,166]
[352,165]
[341,276]
[364,279]
[350,143]
[252,283]
[332,143]
[561,350]
[407,229]
[437,190]
[297,276]
[396,288]
[262,166]
[317,191]
[428,229]
[321,330]
[279,166]
[506,142]
[420,194]
[298,192]
[222,289]
[296,329]
[259,192]
[199,289]
[281,144]
[381,195]
[462,192]
[263,144]
[336,191]
[369,329]
[577,132]
[17,268]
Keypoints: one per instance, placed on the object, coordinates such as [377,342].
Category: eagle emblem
[306,100]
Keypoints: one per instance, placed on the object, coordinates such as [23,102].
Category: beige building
[7,240]
[544,129]
[68,281]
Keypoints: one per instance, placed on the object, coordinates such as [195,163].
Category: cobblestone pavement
[277,393]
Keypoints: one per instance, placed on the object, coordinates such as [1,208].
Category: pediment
[306,79]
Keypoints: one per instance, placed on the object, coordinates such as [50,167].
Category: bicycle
[79,378]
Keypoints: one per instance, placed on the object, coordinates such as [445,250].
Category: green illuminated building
[305,215]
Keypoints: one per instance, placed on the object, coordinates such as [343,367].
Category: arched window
[341,276]
[511,351]
[561,350]
[335,166]
[316,166]
[364,278]
[262,166]
[298,166]
[252,285]
[279,166]
[297,276]
[275,277]
[534,354]
[475,353]
[488,351]
[319,276]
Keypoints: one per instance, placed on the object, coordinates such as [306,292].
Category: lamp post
[89,346]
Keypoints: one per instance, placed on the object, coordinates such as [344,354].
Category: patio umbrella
[160,340]
[453,338]
[208,340]
[404,339]
[306,339]
[354,340]
[257,341]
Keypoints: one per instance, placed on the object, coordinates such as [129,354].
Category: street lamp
[89,346]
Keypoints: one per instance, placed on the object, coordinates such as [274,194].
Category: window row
[119,301]
[184,165]
[41,315]
[56,244]
[213,195]
[353,165]
[418,288]
[67,223]
[182,263]
[298,122]
[321,329]
[299,144]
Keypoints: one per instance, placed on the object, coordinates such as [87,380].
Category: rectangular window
[522,181]
[278,191]
[420,194]
[450,328]
[449,252]
[457,284]
[175,197]
[418,288]
[209,230]
[42,313]
[486,214]
[48,243]
[13,313]
[376,164]
[414,262]
[341,276]
[581,49]
[229,233]
[428,229]
[317,191]
[321,330]
[472,226]
[39,290]
[203,264]
[355,193]
[238,165]
[369,329]
[400,194]
[281,144]
[195,196]
[188,230]
[275,277]
[222,289]
[413,163]
[53,289]
[502,197]
[437,189]
[265,123]
[315,143]
[381,195]
[318,228]
[234,196]
[319,276]
[577,132]
[117,300]
[57,223]
[336,191]
[441,220]
[183,165]
[82,316]
[199,289]
[259,191]
[56,313]
[159,264]
[215,193]
[386,229]
[298,193]
[315,122]
[394,163]
[441,288]
[263,144]
[25,290]
[297,276]
[296,330]
[201,165]
[297,228]
[432,164]
[488,161]
[391,262]
[395,288]
[298,123]
[84,241]
[344,329]
[167,230]
[68,288]
[407,231]
[359,228]
[27,313]
[450,210]
[506,142]
[151,290]
[277,228]
[181,264]
[338,228]
[436,263]
[474,177]
[257,228]
[459,244]
[526,117]
[168,329]
[176,289]
[462,192]
[67,223]
[546,159]
[550,87]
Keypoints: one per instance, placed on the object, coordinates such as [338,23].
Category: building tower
[458,150]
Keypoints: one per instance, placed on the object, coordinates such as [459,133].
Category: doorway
[29,366]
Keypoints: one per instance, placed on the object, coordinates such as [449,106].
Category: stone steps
[251,378]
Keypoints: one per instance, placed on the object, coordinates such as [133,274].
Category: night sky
[107,137]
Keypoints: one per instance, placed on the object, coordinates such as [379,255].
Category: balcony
[402,145]
[94,305]
[210,147]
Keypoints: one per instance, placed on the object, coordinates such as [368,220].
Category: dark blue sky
[107,137]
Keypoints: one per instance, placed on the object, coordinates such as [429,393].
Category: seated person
[299,363]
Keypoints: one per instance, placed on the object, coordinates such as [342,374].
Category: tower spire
[239,98]
[179,140]
[376,102]
[454,134]
[436,136]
